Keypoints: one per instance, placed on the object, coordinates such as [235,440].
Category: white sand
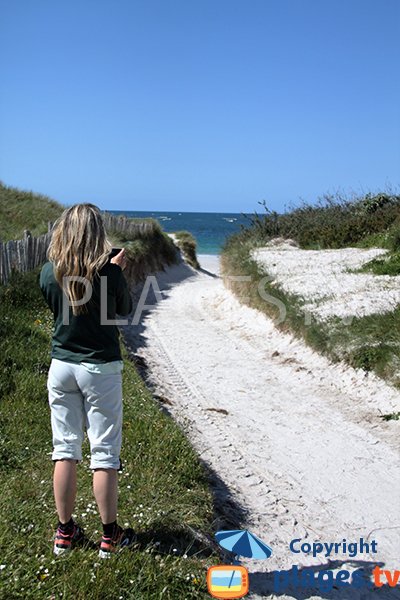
[322,279]
[301,448]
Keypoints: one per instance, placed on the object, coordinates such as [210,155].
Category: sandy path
[301,447]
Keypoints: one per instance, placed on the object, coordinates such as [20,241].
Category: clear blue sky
[203,105]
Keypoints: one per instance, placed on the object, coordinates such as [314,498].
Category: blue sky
[199,105]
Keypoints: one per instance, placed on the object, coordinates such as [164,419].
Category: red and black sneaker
[121,538]
[64,542]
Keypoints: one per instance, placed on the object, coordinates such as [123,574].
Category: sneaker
[63,543]
[122,538]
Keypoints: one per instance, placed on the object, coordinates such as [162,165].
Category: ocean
[209,229]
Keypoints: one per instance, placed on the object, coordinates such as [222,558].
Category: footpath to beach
[296,440]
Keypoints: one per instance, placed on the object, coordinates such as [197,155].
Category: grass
[146,254]
[334,221]
[187,244]
[163,487]
[20,210]
[370,343]
[149,248]
[389,265]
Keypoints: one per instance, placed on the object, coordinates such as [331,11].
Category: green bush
[333,222]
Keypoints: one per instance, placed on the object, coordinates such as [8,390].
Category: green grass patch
[20,210]
[164,492]
[388,265]
[370,343]
[391,417]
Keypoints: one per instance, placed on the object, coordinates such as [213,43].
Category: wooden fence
[23,255]
[30,252]
[131,227]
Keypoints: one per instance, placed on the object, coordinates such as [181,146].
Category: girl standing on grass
[85,289]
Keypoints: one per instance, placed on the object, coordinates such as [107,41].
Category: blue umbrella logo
[243,543]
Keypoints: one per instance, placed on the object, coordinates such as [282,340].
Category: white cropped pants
[79,399]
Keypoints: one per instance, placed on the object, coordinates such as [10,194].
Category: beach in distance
[209,229]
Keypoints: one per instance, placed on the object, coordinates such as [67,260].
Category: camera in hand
[114,252]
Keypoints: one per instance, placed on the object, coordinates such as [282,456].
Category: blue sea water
[209,229]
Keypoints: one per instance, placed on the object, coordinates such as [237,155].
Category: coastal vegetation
[164,491]
[20,210]
[370,342]
[334,221]
[149,249]
[187,244]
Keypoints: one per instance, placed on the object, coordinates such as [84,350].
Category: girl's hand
[120,259]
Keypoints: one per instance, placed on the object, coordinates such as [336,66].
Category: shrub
[333,222]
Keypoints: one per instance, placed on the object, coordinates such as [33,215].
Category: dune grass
[334,221]
[148,247]
[147,253]
[164,492]
[187,244]
[371,343]
[20,210]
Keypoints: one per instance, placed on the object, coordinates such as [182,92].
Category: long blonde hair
[79,247]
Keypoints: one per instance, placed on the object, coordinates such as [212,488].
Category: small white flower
[2,567]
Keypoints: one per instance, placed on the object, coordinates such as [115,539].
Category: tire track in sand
[301,446]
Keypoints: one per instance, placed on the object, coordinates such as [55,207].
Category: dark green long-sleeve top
[85,338]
